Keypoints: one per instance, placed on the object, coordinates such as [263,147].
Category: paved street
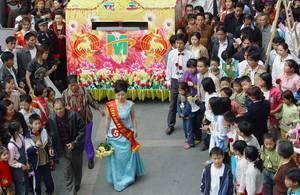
[170,170]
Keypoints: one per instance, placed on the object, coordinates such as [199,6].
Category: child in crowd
[6,181]
[39,102]
[17,159]
[214,67]
[292,181]
[238,148]
[230,125]
[246,132]
[210,91]
[217,177]
[184,111]
[238,95]
[232,136]
[235,107]
[274,96]
[50,99]
[225,82]
[294,136]
[190,76]
[290,116]
[246,84]
[253,175]
[26,108]
[218,137]
[229,65]
[11,93]
[285,151]
[36,144]
[270,160]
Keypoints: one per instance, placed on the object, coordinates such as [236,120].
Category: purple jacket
[187,76]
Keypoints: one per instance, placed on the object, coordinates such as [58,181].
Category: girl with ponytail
[254,177]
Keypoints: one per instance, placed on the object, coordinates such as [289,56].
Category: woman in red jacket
[59,28]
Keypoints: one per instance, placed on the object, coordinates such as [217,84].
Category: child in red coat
[6,182]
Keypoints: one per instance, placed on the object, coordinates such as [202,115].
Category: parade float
[109,40]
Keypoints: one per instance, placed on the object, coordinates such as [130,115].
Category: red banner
[127,133]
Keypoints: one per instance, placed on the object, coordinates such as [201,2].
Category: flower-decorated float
[109,40]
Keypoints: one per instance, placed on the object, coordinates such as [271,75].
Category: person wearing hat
[48,38]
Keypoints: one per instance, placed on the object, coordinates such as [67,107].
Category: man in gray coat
[67,132]
[26,54]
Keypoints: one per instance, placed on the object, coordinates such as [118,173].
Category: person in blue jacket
[184,110]
[217,177]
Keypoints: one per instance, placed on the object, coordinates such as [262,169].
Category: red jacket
[40,103]
[5,174]
[61,42]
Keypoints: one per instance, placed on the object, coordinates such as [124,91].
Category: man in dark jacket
[67,132]
[7,70]
[26,54]
[234,19]
[248,28]
[223,41]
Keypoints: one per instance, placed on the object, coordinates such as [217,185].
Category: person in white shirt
[203,72]
[238,148]
[217,177]
[254,177]
[210,91]
[278,64]
[18,158]
[218,131]
[204,95]
[176,66]
[7,70]
[273,54]
[10,46]
[243,65]
[24,12]
[246,132]
[26,109]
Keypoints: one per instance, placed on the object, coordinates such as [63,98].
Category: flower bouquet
[104,150]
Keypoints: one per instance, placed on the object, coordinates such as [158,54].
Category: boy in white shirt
[246,132]
[217,177]
[26,109]
[176,66]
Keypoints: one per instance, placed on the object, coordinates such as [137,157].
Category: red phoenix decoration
[154,43]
